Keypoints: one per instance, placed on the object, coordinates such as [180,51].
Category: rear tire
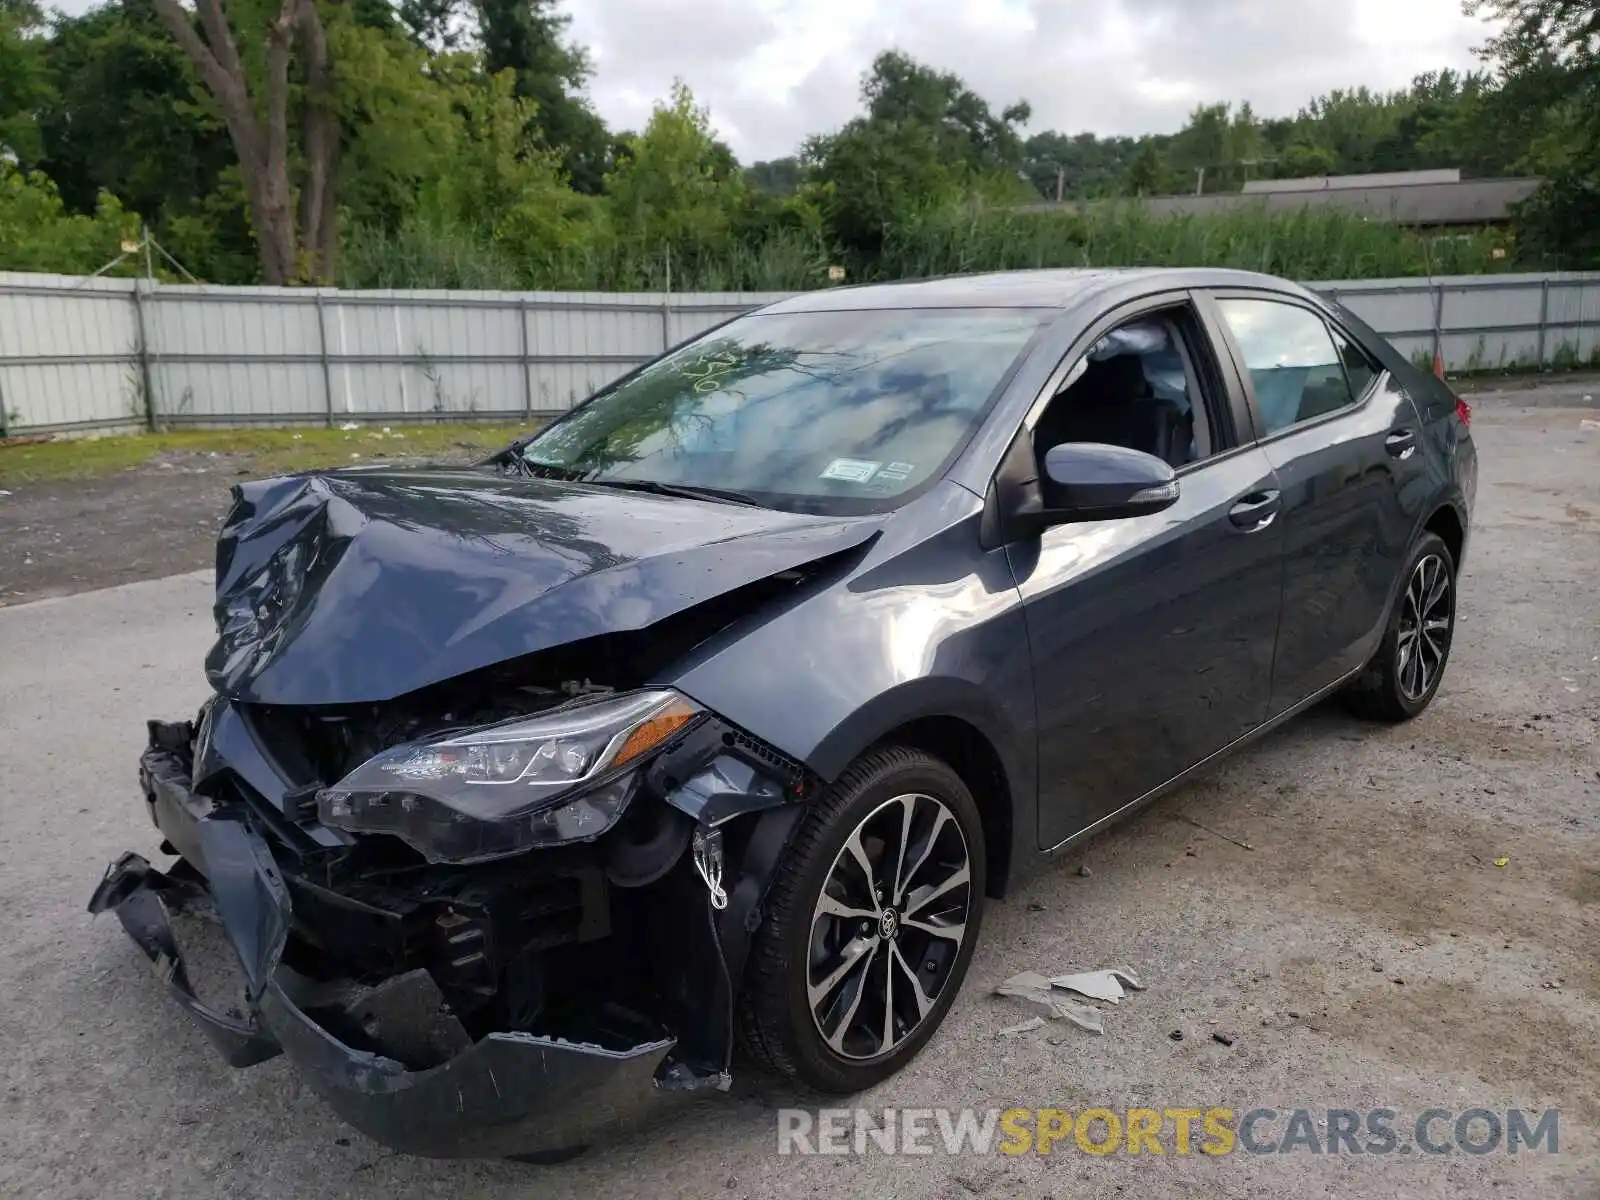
[870,924]
[1404,674]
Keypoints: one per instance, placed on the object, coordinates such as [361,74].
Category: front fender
[928,625]
[915,700]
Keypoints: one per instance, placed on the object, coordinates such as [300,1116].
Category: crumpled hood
[365,584]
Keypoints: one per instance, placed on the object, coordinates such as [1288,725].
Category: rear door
[1341,436]
[1152,637]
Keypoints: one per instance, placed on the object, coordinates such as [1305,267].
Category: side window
[1135,387]
[1295,369]
[1358,368]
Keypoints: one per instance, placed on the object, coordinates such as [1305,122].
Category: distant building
[1344,183]
[1420,198]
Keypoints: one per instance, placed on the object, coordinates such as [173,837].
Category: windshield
[820,410]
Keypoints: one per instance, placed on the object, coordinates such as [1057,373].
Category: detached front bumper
[507,1095]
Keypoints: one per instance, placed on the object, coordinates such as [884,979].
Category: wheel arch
[1446,521]
[963,733]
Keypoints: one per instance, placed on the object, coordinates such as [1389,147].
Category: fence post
[666,306]
[1577,336]
[1544,317]
[1438,323]
[527,367]
[322,353]
[145,378]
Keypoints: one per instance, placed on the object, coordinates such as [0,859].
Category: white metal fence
[112,353]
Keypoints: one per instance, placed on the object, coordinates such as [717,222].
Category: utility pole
[1061,182]
[1199,181]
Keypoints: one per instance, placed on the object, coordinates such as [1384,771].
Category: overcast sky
[773,71]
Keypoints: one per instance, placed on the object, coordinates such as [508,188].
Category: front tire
[870,924]
[1404,674]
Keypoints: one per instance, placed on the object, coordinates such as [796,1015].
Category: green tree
[250,90]
[926,139]
[1146,173]
[123,119]
[898,90]
[1547,58]
[24,88]
[780,177]
[1201,145]
[435,25]
[676,190]
[1080,166]
[528,38]
[37,233]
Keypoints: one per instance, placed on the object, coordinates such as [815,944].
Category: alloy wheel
[888,926]
[1426,614]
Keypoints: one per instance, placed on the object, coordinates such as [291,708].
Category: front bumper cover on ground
[507,1095]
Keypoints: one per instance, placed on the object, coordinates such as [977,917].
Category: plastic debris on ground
[1056,995]
[349,425]
[1026,1027]
[1100,985]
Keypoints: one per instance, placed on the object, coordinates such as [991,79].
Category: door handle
[1401,444]
[1255,511]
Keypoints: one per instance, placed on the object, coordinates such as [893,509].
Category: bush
[38,234]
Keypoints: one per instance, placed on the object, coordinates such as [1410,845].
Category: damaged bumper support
[508,1094]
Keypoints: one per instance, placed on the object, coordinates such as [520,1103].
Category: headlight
[563,776]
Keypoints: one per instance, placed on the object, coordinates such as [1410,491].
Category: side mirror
[1090,481]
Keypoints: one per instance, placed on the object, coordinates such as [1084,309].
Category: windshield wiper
[686,491]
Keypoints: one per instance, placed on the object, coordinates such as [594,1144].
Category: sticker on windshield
[850,470]
[895,472]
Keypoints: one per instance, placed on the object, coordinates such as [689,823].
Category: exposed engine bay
[583,940]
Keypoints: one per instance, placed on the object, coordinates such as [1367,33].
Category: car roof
[1054,288]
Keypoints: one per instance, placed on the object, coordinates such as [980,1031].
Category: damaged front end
[489,906]
[483,920]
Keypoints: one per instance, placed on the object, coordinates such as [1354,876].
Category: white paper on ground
[1099,985]
[1036,989]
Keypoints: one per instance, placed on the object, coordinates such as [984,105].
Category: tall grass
[1308,244]
[950,239]
[421,254]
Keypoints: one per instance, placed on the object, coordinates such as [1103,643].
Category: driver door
[1153,636]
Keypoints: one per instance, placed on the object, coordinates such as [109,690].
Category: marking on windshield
[851,470]
[716,366]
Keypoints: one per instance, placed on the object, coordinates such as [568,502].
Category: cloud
[774,71]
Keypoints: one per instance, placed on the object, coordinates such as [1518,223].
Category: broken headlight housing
[565,775]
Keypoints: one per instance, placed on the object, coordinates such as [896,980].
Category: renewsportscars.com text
[1431,1133]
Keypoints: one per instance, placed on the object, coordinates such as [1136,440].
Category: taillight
[1464,411]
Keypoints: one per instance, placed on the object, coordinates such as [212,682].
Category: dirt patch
[76,534]
[1585,887]
[1458,1027]
[156,518]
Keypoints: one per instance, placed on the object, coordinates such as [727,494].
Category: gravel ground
[1365,951]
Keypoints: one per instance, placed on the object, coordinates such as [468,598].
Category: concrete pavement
[1365,952]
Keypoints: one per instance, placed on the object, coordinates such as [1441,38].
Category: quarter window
[1297,372]
[1358,368]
